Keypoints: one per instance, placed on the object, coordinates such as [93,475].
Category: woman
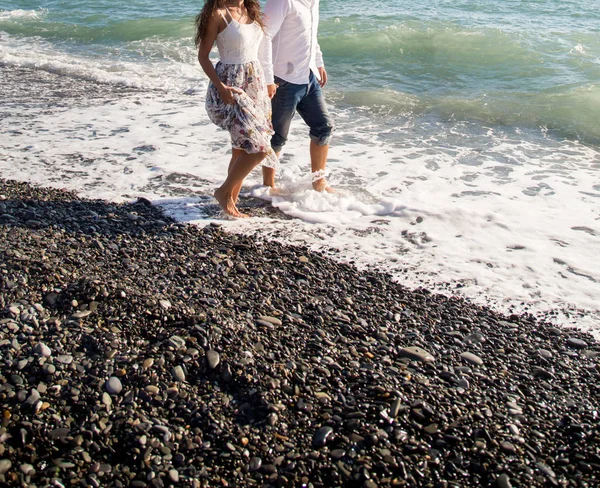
[237,98]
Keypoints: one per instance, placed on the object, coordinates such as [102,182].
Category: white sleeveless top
[238,43]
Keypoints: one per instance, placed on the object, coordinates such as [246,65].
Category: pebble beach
[138,351]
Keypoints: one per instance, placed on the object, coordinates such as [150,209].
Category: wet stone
[255,464]
[322,436]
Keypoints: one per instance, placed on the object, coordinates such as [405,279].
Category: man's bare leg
[318,161]
[269,175]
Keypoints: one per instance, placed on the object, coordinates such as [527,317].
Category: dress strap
[225,16]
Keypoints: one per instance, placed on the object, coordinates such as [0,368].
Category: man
[293,64]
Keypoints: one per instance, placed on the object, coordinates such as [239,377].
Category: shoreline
[138,351]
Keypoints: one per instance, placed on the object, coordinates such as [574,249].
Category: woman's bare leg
[235,153]
[239,169]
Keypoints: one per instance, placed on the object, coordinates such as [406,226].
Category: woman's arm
[215,25]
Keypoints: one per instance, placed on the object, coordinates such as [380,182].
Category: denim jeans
[308,101]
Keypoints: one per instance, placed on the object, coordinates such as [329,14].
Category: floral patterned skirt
[249,119]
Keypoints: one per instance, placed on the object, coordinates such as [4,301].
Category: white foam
[496,215]
[23,14]
[161,74]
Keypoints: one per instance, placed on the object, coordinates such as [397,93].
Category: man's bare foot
[227,204]
[321,186]
[274,192]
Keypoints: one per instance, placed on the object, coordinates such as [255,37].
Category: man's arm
[275,13]
[320,66]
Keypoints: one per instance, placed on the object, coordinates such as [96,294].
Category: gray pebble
[113,385]
[576,343]
[43,350]
[213,358]
[472,358]
[5,465]
[416,354]
[178,374]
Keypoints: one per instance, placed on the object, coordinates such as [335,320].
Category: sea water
[466,155]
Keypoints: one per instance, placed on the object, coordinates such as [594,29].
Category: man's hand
[271,89]
[323,74]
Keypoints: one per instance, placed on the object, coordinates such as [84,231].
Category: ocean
[466,155]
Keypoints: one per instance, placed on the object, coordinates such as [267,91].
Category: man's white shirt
[290,49]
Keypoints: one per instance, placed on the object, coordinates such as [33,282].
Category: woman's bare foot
[227,204]
[322,186]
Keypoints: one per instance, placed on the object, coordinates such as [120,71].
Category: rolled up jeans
[308,101]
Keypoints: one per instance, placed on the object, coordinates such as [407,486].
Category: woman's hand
[271,89]
[226,93]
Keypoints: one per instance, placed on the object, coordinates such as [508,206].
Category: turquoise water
[506,62]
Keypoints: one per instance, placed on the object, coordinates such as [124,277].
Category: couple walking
[270,67]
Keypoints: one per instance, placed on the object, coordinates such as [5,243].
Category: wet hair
[210,6]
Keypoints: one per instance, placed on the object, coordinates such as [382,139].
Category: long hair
[210,6]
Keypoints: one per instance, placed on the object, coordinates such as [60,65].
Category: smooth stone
[213,359]
[226,373]
[395,408]
[545,353]
[174,475]
[49,369]
[178,374]
[106,400]
[546,470]
[43,350]
[113,385]
[64,359]
[503,481]
[416,354]
[508,447]
[82,315]
[255,464]
[165,304]
[27,469]
[33,398]
[472,358]
[270,320]
[475,338]
[576,343]
[5,465]
[177,342]
[148,363]
[322,436]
